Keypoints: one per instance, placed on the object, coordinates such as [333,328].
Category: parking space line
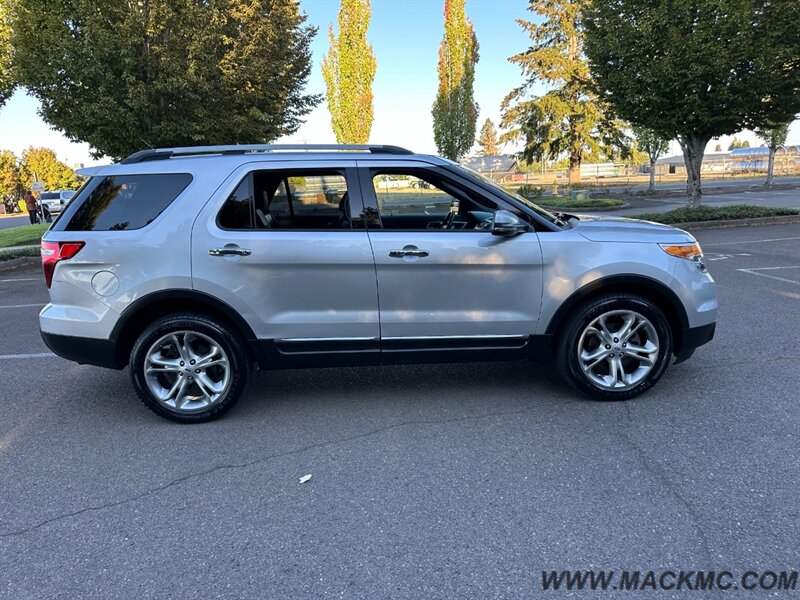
[754,272]
[21,305]
[23,356]
[21,279]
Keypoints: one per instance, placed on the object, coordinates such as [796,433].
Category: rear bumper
[85,351]
[692,338]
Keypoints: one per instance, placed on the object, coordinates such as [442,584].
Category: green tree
[6,53]
[455,112]
[124,76]
[42,164]
[774,138]
[693,70]
[11,186]
[736,143]
[487,140]
[654,145]
[568,119]
[349,70]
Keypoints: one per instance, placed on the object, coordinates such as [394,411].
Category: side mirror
[507,224]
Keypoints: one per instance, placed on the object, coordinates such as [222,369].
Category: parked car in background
[389,182]
[56,200]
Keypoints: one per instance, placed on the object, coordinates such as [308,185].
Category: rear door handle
[408,252]
[229,251]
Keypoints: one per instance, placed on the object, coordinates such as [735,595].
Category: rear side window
[122,202]
[298,199]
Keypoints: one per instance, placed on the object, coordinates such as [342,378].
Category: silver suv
[56,200]
[194,265]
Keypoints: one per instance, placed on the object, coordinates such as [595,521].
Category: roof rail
[165,153]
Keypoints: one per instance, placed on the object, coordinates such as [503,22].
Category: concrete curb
[18,263]
[10,248]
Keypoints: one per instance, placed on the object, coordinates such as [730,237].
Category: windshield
[533,206]
[49,196]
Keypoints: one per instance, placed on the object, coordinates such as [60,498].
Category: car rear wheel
[188,368]
[615,347]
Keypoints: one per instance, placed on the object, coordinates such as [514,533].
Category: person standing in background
[32,205]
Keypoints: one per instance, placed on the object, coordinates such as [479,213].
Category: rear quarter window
[121,202]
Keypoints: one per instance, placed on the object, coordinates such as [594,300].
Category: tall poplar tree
[568,119]
[124,76]
[455,112]
[6,52]
[349,70]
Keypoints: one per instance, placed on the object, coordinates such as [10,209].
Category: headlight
[691,252]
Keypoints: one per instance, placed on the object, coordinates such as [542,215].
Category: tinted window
[316,194]
[49,196]
[237,212]
[296,199]
[122,202]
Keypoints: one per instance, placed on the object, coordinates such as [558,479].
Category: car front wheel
[615,347]
[188,368]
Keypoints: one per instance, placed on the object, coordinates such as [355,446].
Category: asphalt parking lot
[446,481]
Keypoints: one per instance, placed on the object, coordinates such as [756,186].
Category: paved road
[459,481]
[8,222]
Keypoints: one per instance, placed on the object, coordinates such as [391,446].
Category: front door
[278,245]
[444,281]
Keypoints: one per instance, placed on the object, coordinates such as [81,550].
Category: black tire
[228,341]
[567,359]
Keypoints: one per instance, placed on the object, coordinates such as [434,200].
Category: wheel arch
[647,287]
[153,306]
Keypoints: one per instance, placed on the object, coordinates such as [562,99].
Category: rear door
[454,288]
[278,244]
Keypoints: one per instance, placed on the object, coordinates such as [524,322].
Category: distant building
[740,160]
[757,159]
[713,162]
[601,170]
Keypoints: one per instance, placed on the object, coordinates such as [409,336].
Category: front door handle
[229,251]
[408,252]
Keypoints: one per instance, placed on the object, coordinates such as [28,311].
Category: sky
[405,35]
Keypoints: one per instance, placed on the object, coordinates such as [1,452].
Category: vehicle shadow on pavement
[436,384]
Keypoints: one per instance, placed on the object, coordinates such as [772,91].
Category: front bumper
[692,338]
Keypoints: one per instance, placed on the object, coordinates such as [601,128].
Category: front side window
[288,200]
[415,201]
[122,202]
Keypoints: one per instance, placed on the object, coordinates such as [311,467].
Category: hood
[619,229]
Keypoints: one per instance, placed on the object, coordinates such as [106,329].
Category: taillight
[53,252]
